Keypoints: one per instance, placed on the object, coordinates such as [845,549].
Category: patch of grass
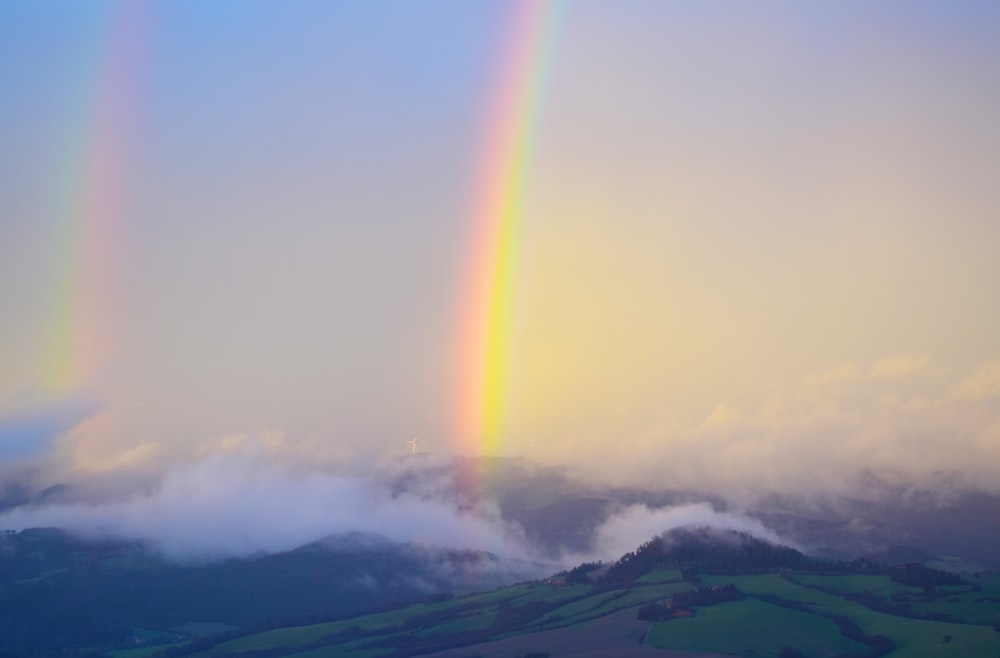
[499,595]
[42,576]
[147,635]
[474,622]
[772,584]
[990,584]
[633,597]
[298,636]
[570,610]
[553,593]
[753,629]
[359,649]
[660,576]
[203,628]
[607,602]
[856,583]
[967,608]
[143,652]
[957,565]
[917,638]
[291,636]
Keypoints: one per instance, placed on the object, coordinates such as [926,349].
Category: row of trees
[704,551]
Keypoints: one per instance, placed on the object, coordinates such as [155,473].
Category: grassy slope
[914,638]
[982,607]
[142,652]
[917,638]
[879,585]
[660,576]
[751,628]
[482,611]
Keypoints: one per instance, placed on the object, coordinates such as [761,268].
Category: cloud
[31,432]
[839,375]
[241,504]
[250,499]
[982,384]
[721,416]
[899,418]
[636,524]
[900,366]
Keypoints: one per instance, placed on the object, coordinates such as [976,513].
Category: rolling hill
[696,591]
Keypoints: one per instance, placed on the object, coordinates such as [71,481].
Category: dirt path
[617,635]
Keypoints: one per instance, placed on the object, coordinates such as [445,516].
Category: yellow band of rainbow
[488,304]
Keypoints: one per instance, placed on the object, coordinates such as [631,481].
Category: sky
[756,248]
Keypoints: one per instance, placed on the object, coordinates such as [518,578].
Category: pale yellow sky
[727,204]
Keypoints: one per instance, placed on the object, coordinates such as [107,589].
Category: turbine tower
[413,445]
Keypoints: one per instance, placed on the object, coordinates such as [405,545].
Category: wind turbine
[413,445]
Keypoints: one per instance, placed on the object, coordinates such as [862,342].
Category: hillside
[60,593]
[695,591]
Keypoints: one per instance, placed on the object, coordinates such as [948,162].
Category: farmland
[820,613]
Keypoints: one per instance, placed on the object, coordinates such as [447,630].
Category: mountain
[698,591]
[703,590]
[59,592]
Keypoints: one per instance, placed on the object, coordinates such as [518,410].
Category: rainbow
[488,301]
[77,349]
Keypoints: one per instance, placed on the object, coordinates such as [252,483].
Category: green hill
[695,591]
[59,593]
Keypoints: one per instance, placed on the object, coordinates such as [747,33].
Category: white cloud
[636,524]
[984,383]
[900,366]
[899,415]
[240,504]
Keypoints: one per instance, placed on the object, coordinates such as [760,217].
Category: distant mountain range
[64,595]
[704,591]
[59,592]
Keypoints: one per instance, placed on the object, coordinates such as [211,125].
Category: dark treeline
[581,574]
[719,552]
[704,551]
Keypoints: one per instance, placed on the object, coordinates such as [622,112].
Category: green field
[354,650]
[498,595]
[968,607]
[142,652]
[856,583]
[772,584]
[202,628]
[916,638]
[40,577]
[660,576]
[631,598]
[552,593]
[753,629]
[475,622]
[787,609]
[581,606]
[292,636]
[472,613]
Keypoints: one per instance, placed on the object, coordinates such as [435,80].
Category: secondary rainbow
[88,217]
[488,303]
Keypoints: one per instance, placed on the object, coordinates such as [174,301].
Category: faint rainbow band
[79,340]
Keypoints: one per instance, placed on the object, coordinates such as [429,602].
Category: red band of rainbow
[489,294]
